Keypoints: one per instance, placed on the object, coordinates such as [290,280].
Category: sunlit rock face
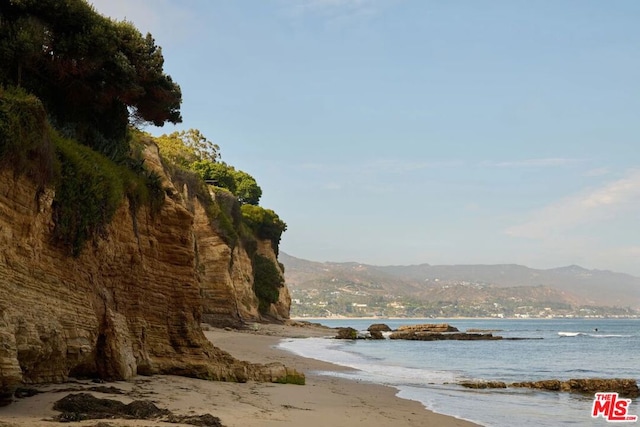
[131,303]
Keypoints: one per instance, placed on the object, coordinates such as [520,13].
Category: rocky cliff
[225,275]
[130,303]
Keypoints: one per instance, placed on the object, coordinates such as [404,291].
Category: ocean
[428,371]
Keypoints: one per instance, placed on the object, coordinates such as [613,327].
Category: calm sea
[429,371]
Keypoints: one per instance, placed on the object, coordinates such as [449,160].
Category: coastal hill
[457,290]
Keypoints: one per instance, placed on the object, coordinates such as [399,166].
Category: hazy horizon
[355,261]
[404,132]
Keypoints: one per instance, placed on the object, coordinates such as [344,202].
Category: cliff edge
[131,302]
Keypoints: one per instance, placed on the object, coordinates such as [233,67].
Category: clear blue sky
[417,131]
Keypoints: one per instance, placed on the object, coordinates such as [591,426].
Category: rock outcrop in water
[428,327]
[624,387]
[438,332]
[130,303]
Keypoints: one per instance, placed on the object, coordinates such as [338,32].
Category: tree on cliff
[190,150]
[94,75]
[185,148]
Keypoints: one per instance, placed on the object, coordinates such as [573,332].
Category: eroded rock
[130,303]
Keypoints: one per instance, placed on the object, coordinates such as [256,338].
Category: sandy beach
[323,401]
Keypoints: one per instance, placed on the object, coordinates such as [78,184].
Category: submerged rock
[483,384]
[623,386]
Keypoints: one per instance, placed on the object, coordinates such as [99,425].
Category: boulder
[379,327]
[376,335]
[347,334]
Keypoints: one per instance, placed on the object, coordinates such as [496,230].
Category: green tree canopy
[185,148]
[221,173]
[94,75]
[192,151]
[247,189]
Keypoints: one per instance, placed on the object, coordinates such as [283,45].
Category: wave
[608,335]
[570,334]
[370,369]
[584,334]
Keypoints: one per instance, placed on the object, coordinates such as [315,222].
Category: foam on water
[367,368]
[428,372]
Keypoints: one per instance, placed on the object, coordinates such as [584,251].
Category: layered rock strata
[129,304]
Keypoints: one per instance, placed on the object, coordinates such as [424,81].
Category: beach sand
[323,401]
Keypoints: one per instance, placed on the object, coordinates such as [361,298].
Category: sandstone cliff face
[130,304]
[225,276]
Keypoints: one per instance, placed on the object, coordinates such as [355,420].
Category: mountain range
[484,288]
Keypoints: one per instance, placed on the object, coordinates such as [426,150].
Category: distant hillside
[597,287]
[474,290]
[308,274]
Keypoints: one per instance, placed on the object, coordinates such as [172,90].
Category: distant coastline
[431,319]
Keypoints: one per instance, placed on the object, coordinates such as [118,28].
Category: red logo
[612,408]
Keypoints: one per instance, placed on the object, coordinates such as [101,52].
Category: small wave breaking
[585,334]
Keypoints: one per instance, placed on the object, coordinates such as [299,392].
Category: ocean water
[428,372]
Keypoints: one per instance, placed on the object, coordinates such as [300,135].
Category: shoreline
[317,319]
[324,401]
[334,401]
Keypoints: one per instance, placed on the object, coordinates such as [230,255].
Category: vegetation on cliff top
[88,186]
[94,75]
[230,198]
[190,150]
[71,84]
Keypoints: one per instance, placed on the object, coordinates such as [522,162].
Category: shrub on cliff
[25,145]
[265,223]
[89,190]
[267,282]
[89,187]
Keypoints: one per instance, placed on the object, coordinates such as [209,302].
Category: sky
[417,131]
